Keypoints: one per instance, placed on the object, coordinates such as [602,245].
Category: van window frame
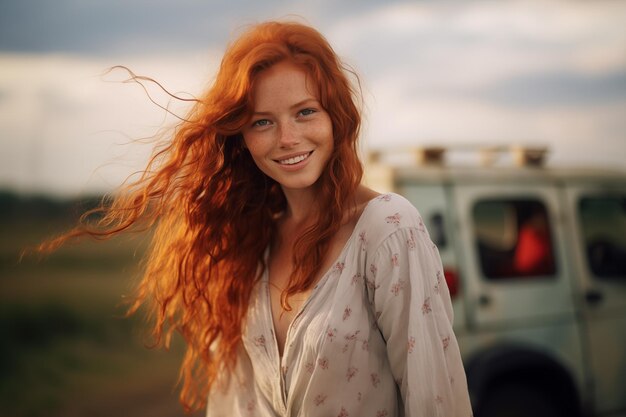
[509,259]
[601,245]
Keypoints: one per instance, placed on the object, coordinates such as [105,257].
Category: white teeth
[294,160]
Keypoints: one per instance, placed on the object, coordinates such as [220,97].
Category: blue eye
[307,112]
[261,123]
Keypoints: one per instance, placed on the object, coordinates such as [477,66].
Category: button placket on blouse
[284,360]
[287,351]
[273,354]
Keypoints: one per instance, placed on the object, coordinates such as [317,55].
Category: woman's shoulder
[386,214]
[393,210]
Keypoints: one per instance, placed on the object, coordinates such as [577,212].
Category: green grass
[65,348]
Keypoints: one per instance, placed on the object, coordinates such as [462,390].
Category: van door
[512,242]
[432,202]
[599,247]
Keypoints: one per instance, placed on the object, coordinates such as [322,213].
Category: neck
[302,204]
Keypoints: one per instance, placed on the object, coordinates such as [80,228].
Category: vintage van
[535,259]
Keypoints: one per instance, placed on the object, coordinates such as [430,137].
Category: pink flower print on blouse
[394,260]
[426,306]
[411,241]
[371,284]
[319,399]
[373,270]
[394,219]
[410,344]
[365,345]
[309,366]
[356,278]
[382,413]
[323,363]
[445,342]
[362,240]
[359,396]
[439,399]
[397,286]
[375,380]
[351,373]
[343,413]
[339,266]
[438,284]
[346,313]
[331,333]
[350,337]
[420,225]
[384,197]
[250,405]
[259,341]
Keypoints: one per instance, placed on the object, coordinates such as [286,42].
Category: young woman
[299,291]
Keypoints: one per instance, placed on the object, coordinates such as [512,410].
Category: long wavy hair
[214,212]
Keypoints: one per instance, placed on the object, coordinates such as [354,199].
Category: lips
[292,160]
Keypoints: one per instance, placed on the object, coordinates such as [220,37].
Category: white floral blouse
[373,339]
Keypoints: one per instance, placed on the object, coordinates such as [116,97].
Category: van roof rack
[522,155]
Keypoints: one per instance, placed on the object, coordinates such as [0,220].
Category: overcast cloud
[486,72]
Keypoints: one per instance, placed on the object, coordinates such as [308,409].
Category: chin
[299,184]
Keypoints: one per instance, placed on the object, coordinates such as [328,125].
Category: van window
[437,230]
[513,239]
[603,225]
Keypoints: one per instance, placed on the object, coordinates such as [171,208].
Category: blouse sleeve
[414,314]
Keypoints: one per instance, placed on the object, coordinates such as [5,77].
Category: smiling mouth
[295,159]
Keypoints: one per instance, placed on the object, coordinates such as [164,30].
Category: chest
[335,326]
[279,273]
[281,268]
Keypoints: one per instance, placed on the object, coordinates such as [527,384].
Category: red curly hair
[215,212]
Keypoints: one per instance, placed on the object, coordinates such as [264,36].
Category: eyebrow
[298,104]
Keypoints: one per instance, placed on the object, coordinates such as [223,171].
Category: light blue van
[535,258]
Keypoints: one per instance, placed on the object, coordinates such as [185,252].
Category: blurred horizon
[433,73]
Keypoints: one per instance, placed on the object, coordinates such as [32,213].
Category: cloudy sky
[453,73]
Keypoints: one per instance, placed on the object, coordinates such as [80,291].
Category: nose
[288,135]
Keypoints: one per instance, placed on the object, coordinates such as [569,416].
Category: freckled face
[290,135]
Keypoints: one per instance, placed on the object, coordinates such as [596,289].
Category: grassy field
[65,348]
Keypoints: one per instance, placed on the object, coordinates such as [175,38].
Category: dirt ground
[152,400]
[66,349]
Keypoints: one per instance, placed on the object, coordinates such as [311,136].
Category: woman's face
[290,135]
